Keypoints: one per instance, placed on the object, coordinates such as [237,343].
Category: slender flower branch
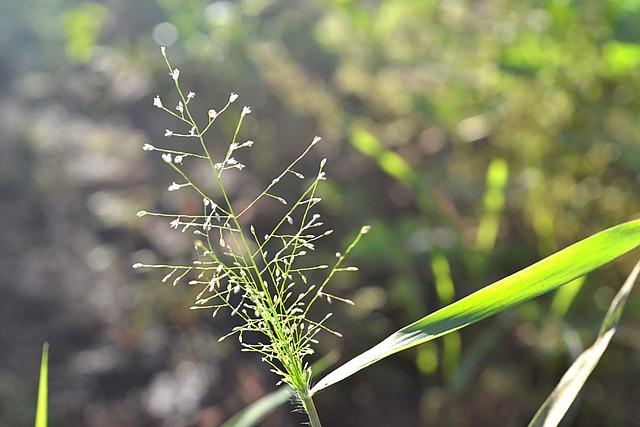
[264,281]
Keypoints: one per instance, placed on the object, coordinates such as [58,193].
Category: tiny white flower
[174,187]
[175,74]
[338,254]
[137,265]
[191,95]
[157,102]
[175,223]
[206,201]
[178,159]
[316,139]
[148,147]
[246,144]
[168,132]
[180,107]
[141,213]
[232,161]
[246,110]
[321,176]
[166,157]
[192,131]
[212,113]
[233,96]
[163,50]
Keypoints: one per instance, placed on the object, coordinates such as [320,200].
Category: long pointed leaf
[43,389]
[256,412]
[537,279]
[555,407]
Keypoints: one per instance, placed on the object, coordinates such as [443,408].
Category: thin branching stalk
[263,280]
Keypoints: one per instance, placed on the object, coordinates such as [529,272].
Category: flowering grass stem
[264,281]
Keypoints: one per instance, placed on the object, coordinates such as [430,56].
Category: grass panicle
[262,280]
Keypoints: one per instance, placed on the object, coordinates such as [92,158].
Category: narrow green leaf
[443,282]
[494,198]
[537,279]
[262,407]
[389,161]
[563,299]
[43,392]
[555,407]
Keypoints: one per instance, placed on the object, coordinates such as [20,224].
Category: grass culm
[262,280]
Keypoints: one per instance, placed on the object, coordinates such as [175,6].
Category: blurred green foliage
[81,26]
[475,137]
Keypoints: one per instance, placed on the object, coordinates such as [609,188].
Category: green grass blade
[262,407]
[537,279]
[494,197]
[43,389]
[555,407]
[563,299]
[389,161]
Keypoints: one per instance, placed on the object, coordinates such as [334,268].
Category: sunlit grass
[43,389]
[262,280]
[535,280]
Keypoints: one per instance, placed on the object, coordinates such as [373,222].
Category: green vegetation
[261,280]
[43,389]
[476,138]
[274,296]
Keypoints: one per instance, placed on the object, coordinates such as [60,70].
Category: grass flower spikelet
[262,280]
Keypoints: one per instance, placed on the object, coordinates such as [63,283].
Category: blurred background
[476,137]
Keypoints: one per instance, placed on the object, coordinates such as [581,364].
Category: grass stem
[310,408]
